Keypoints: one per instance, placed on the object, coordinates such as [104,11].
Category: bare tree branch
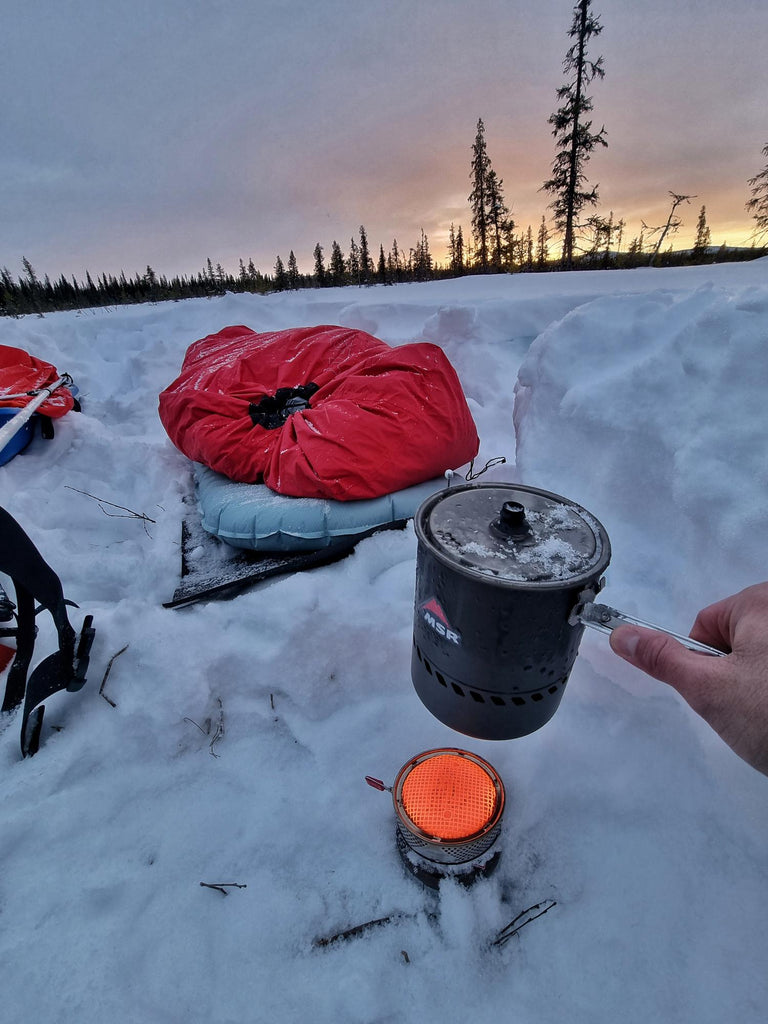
[125,513]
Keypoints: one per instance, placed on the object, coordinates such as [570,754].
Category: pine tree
[478,197]
[395,262]
[353,263]
[703,237]
[293,271]
[422,259]
[382,268]
[459,252]
[281,281]
[758,204]
[635,249]
[511,246]
[498,218]
[319,267]
[29,270]
[572,131]
[337,268]
[542,244]
[366,264]
[456,251]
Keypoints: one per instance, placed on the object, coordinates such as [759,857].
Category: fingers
[659,656]
[713,625]
[721,623]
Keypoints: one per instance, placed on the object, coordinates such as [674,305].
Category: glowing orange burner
[448,797]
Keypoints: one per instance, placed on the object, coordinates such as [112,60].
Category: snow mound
[650,411]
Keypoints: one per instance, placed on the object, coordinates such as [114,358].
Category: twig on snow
[523,918]
[224,886]
[106,674]
[219,730]
[360,929]
[205,731]
[124,513]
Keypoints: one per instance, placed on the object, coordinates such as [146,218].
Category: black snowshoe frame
[34,580]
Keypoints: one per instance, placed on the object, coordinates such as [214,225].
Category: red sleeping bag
[319,412]
[21,373]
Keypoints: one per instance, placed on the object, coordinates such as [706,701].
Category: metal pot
[500,570]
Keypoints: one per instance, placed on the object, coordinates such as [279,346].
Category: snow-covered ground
[639,394]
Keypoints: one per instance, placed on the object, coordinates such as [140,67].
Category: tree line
[496,244]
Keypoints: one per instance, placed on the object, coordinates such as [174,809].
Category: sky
[167,134]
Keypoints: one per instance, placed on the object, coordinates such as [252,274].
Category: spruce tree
[758,204]
[703,237]
[478,197]
[573,132]
[511,246]
[280,281]
[382,268]
[395,261]
[293,271]
[498,218]
[319,267]
[456,251]
[422,259]
[29,271]
[337,268]
[459,252]
[353,263]
[542,244]
[366,264]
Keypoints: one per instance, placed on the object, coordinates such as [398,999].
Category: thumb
[659,655]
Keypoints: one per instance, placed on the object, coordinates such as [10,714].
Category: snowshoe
[33,579]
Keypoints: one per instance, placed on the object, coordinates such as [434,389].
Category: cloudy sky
[172,131]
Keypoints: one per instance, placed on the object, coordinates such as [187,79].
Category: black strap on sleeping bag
[33,579]
[273,410]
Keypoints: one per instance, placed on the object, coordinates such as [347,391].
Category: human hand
[730,693]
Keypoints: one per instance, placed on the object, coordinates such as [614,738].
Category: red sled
[31,392]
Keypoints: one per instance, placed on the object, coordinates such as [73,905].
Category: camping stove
[449,805]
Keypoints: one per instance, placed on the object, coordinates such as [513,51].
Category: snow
[242,730]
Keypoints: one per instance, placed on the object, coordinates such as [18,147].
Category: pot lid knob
[511,522]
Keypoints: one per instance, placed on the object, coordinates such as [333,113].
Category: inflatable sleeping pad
[253,517]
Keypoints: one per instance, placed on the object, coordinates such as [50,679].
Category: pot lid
[513,533]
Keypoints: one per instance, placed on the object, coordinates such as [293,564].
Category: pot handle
[605,619]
